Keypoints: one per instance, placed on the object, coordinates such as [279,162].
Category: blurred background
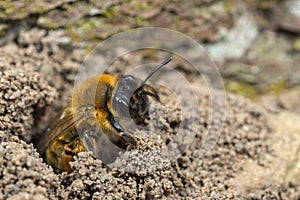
[255,43]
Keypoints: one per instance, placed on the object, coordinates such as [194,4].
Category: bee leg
[115,124]
[125,135]
[71,150]
[65,162]
[129,138]
[89,141]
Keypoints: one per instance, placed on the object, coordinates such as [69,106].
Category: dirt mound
[27,100]
[23,93]
[24,175]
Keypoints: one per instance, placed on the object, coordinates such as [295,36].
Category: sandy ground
[36,81]
[257,153]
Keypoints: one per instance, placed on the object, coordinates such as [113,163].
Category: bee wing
[62,125]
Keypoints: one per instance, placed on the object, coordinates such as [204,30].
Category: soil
[33,95]
[256,155]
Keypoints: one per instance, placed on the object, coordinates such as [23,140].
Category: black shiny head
[126,87]
[131,96]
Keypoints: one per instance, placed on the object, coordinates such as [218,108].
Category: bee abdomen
[60,153]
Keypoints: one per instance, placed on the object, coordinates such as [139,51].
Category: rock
[236,41]
[16,10]
[60,18]
[145,10]
[289,100]
[287,15]
[270,54]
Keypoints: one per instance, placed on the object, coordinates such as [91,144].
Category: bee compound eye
[124,94]
[122,106]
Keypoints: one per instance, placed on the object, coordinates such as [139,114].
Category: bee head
[131,96]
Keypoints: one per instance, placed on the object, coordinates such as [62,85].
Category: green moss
[241,88]
[264,4]
[9,10]
[252,91]
[111,12]
[68,6]
[90,29]
[149,53]
[277,87]
[2,33]
[7,7]
[178,22]
[113,15]
[21,9]
[296,44]
[143,6]
[79,30]
[236,69]
[228,6]
[45,21]
[89,49]
[3,29]
[140,21]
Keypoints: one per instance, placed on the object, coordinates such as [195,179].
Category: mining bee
[91,120]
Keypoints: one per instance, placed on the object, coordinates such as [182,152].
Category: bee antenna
[156,69]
